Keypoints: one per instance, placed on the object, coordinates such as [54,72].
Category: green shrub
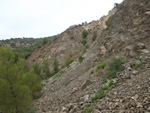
[89,109]
[114,66]
[55,65]
[101,93]
[108,21]
[84,49]
[37,68]
[104,80]
[109,50]
[105,87]
[121,30]
[69,61]
[31,109]
[18,85]
[138,65]
[81,58]
[46,73]
[92,71]
[45,40]
[94,36]
[99,72]
[84,34]
[83,41]
[111,83]
[139,57]
[101,66]
[120,48]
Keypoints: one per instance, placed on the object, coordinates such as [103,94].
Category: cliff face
[69,42]
[72,89]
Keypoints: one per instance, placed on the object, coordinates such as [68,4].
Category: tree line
[19,86]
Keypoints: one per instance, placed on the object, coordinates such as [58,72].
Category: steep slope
[69,43]
[72,89]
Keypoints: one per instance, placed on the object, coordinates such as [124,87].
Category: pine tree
[17,84]
[55,65]
[45,69]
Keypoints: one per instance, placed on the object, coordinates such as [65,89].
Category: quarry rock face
[127,37]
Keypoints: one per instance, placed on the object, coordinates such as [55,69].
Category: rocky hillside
[99,83]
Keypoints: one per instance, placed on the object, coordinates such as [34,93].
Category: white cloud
[39,18]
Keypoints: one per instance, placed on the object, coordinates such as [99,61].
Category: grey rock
[135,72]
[141,46]
[147,12]
[88,82]
[86,97]
[129,68]
[144,51]
[64,109]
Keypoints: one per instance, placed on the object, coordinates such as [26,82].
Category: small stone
[135,97]
[148,109]
[103,50]
[115,93]
[86,97]
[133,104]
[135,72]
[129,68]
[139,105]
[64,109]
[147,12]
[144,51]
[74,90]
[141,46]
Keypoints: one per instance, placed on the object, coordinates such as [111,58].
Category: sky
[41,18]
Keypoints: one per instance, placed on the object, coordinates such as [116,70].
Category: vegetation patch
[69,61]
[18,85]
[83,41]
[89,109]
[114,66]
[81,58]
[104,80]
[108,21]
[138,57]
[109,50]
[46,73]
[121,30]
[138,65]
[84,34]
[55,65]
[101,93]
[94,36]
[111,83]
[92,71]
[31,109]
[101,66]
[99,72]
[84,49]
